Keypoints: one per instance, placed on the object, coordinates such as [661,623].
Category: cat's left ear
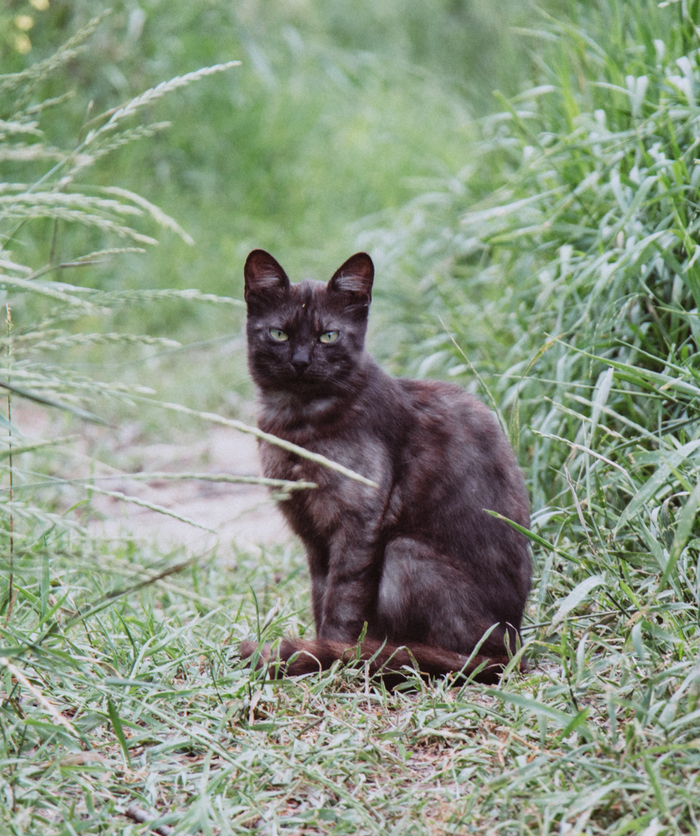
[355,276]
[264,277]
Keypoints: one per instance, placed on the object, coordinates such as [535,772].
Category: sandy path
[238,517]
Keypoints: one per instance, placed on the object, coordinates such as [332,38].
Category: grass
[557,261]
[157,712]
[322,124]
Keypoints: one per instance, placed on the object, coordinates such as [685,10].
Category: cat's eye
[279,335]
[329,336]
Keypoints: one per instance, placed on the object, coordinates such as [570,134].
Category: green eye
[280,336]
[328,336]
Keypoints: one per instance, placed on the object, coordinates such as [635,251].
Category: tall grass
[561,265]
[56,581]
[560,257]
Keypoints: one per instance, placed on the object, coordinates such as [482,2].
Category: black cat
[417,560]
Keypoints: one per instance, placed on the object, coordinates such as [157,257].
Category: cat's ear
[355,276]
[264,276]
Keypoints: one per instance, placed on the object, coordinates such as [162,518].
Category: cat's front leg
[349,592]
[317,560]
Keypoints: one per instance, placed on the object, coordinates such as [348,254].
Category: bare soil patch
[237,516]
[228,516]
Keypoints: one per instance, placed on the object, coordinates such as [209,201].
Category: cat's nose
[300,360]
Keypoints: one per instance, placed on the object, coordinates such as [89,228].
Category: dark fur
[417,560]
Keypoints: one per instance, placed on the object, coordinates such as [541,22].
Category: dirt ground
[237,516]
[228,516]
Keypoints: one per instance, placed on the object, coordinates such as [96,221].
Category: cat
[416,564]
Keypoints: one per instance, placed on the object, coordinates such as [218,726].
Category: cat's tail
[293,657]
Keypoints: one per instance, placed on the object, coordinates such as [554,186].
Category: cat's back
[436,403]
[456,452]
[447,410]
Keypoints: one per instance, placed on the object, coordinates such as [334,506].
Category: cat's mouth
[304,374]
[301,380]
[297,375]
[308,386]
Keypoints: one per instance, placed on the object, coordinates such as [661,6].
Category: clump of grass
[47,299]
[56,582]
[561,266]
[569,241]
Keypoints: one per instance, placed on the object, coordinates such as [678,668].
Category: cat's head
[306,338]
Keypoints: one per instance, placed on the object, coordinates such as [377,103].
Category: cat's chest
[337,429]
[325,508]
[368,458]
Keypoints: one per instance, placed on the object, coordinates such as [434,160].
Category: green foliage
[323,123]
[44,214]
[556,240]
[582,261]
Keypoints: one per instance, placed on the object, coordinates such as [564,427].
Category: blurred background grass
[551,230]
[332,116]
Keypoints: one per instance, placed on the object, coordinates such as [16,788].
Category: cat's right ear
[264,277]
[355,276]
